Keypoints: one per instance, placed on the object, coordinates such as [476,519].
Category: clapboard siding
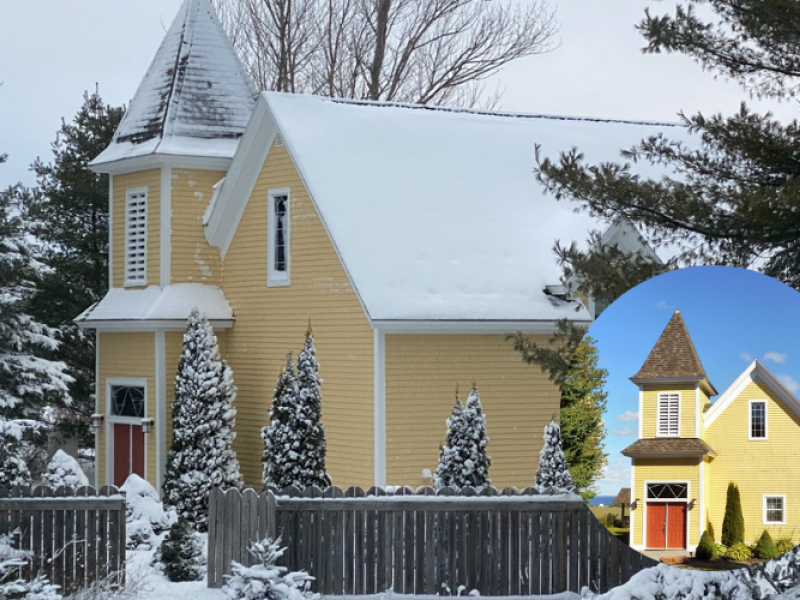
[193,260]
[687,408]
[126,355]
[150,179]
[422,372]
[272,321]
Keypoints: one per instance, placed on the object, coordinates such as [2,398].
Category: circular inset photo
[695,372]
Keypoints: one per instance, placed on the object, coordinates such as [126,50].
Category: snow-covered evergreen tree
[12,586]
[309,432]
[201,456]
[181,553]
[64,471]
[553,475]
[280,436]
[463,460]
[266,580]
[13,468]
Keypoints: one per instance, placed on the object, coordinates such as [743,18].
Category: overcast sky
[51,51]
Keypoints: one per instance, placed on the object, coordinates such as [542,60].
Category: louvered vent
[278,139]
[136,238]
[668,414]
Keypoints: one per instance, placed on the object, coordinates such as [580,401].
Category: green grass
[623,535]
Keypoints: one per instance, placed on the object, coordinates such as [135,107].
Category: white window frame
[277,278]
[685,501]
[112,419]
[139,281]
[658,415]
[783,510]
[750,422]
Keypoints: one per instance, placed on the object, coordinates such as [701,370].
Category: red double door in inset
[666,525]
[128,451]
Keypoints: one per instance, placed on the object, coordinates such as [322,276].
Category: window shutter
[136,238]
[668,414]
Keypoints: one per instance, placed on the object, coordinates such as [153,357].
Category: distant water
[604,500]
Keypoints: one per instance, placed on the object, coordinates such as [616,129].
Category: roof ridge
[490,113]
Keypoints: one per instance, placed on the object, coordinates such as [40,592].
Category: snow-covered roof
[168,306]
[436,213]
[194,100]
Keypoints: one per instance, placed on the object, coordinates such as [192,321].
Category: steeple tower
[195,99]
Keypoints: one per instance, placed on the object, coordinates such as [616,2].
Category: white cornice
[157,161]
[147,325]
[468,327]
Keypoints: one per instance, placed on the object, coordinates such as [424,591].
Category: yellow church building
[414,238]
[689,449]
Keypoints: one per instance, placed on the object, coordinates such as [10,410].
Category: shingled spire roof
[194,100]
[674,356]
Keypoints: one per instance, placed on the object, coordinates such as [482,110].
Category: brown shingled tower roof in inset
[674,356]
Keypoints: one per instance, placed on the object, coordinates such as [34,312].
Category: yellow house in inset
[413,238]
[689,449]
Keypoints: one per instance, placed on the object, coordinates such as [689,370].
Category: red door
[656,524]
[128,452]
[676,525]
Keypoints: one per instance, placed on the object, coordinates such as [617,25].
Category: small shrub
[720,549]
[706,548]
[765,547]
[181,553]
[738,552]
[64,471]
[266,580]
[785,546]
[608,520]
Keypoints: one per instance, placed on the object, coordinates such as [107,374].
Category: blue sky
[733,316]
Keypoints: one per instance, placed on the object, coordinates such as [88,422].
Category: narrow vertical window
[136,237]
[669,414]
[758,420]
[278,251]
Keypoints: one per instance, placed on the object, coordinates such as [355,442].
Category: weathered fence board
[74,537]
[423,542]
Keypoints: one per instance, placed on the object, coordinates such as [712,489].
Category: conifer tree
[733,521]
[280,436]
[553,475]
[309,442]
[64,471]
[463,459]
[201,456]
[181,553]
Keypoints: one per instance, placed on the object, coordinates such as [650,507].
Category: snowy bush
[553,475]
[266,580]
[146,517]
[13,467]
[201,456]
[280,436]
[181,553]
[64,471]
[12,586]
[463,460]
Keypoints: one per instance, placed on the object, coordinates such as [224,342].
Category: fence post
[272,516]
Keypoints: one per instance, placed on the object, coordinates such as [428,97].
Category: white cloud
[625,432]
[789,382]
[777,357]
[745,356]
[664,304]
[627,416]
[617,471]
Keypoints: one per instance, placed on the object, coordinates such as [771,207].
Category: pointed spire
[674,355]
[196,97]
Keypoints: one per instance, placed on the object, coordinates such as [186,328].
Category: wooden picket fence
[500,543]
[75,537]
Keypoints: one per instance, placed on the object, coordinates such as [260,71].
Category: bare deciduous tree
[422,51]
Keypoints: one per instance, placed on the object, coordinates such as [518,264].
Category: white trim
[379,409]
[633,499]
[658,415]
[750,437]
[110,420]
[165,256]
[673,500]
[641,412]
[697,410]
[156,161]
[129,192]
[669,380]
[110,233]
[702,500]
[97,408]
[161,408]
[277,278]
[148,324]
[764,509]
[469,327]
[749,375]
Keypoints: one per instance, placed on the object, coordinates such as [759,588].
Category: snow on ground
[153,585]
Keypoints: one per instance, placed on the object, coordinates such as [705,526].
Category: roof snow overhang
[755,372]
[151,308]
